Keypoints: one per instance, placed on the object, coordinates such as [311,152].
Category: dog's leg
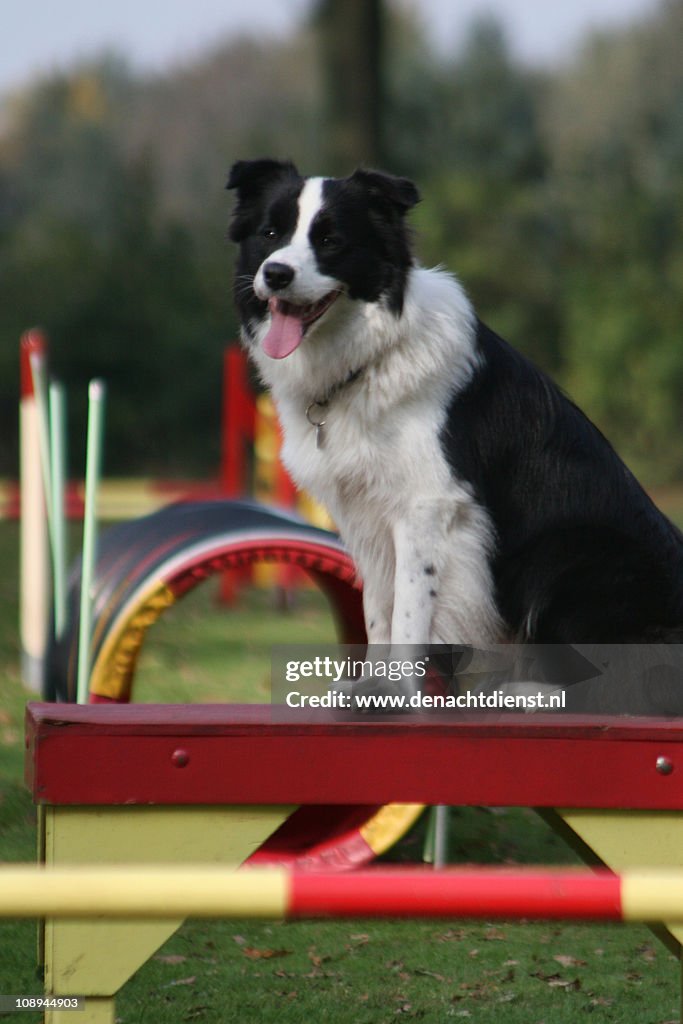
[376,571]
[419,540]
[377,609]
[420,545]
[417,577]
[400,612]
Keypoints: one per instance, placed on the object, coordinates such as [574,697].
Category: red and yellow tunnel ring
[167,563]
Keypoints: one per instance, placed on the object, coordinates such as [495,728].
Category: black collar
[318,421]
[336,389]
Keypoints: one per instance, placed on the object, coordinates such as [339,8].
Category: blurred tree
[86,252]
[61,149]
[416,139]
[351,54]
[470,130]
[493,113]
[504,244]
[615,141]
[144,329]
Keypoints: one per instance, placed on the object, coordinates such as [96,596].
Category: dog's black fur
[582,553]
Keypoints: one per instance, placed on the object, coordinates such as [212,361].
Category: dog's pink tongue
[285,332]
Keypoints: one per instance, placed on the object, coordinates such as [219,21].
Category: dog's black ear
[250,178]
[402,193]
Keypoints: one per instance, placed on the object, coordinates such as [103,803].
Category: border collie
[480,505]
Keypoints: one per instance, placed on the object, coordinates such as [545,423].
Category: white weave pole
[96,397]
[34,555]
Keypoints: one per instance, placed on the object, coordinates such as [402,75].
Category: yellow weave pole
[142,892]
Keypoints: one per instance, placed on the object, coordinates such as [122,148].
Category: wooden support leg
[98,1010]
[627,839]
[94,958]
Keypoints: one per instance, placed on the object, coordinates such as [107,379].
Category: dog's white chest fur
[420,541]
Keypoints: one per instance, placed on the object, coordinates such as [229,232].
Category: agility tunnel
[145,566]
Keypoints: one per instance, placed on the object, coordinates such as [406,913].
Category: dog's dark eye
[269,233]
[330,242]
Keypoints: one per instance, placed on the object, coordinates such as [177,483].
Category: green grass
[357,972]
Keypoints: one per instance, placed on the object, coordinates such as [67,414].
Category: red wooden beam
[217,754]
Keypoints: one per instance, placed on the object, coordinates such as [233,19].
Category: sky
[39,36]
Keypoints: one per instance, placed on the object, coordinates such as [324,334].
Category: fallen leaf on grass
[195,1012]
[398,968]
[317,959]
[569,961]
[475,990]
[264,954]
[173,958]
[557,981]
[184,981]
[542,976]
[424,973]
[569,986]
[494,935]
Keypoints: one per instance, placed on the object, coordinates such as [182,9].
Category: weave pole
[96,396]
[210,891]
[58,476]
[34,556]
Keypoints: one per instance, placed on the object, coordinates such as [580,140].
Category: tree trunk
[351,34]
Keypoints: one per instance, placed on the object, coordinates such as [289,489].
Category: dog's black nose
[277,276]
